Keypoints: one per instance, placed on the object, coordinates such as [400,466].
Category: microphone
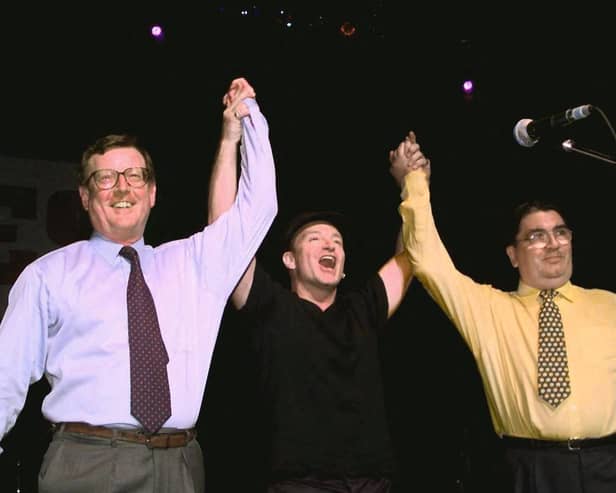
[527,132]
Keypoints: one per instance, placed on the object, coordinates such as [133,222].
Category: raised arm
[397,272]
[223,180]
[468,304]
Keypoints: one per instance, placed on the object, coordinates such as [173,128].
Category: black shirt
[321,380]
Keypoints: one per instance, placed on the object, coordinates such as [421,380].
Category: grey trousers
[77,464]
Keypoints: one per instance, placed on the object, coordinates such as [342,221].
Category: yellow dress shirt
[501,330]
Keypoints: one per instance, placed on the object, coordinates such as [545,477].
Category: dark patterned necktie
[553,370]
[150,402]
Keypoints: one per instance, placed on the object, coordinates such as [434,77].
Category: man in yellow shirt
[563,443]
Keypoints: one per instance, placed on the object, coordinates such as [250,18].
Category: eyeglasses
[106,179]
[540,238]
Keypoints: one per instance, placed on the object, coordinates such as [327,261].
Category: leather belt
[571,444]
[156,440]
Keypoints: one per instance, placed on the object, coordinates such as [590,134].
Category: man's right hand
[406,157]
[235,108]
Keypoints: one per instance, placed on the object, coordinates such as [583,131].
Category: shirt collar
[566,290]
[110,250]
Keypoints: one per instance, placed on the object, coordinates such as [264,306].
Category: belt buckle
[573,444]
[146,437]
[157,440]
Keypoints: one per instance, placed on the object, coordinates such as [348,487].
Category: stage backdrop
[39,211]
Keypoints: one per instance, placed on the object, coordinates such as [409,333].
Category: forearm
[462,299]
[396,274]
[223,180]
[431,262]
[255,207]
[252,203]
[419,234]
[257,183]
[23,343]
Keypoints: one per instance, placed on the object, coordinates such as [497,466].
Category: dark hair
[299,221]
[526,208]
[113,141]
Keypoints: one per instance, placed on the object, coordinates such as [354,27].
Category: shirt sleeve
[23,344]
[465,302]
[233,239]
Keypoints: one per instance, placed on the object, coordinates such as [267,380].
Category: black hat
[298,222]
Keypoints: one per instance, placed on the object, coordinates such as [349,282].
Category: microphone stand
[569,146]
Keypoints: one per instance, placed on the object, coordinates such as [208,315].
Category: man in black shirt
[317,349]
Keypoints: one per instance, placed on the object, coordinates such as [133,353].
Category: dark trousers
[78,463]
[346,485]
[560,470]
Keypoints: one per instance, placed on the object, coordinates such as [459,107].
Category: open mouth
[328,261]
[122,205]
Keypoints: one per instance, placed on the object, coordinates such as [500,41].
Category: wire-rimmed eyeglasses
[540,238]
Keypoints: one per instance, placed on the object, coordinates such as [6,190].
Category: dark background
[336,105]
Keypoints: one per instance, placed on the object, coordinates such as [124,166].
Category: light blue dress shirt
[66,318]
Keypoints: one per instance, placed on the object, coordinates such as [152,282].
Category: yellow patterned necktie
[552,369]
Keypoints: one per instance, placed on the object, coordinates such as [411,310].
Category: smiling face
[120,213]
[548,267]
[316,258]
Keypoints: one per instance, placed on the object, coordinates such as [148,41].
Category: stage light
[468,86]
[348,29]
[157,32]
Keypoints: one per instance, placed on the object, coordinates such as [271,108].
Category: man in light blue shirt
[67,317]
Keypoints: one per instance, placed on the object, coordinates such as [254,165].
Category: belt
[571,443]
[156,440]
